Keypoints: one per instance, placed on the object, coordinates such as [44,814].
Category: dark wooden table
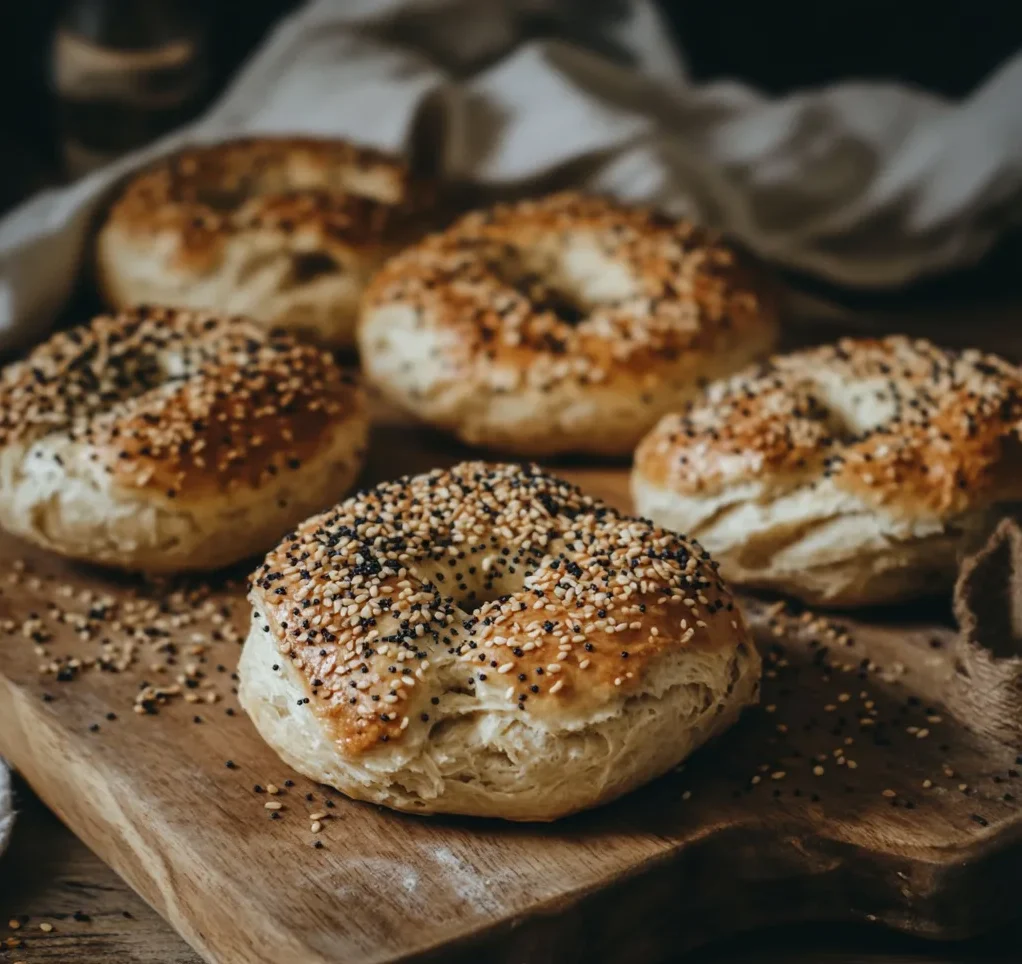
[48,878]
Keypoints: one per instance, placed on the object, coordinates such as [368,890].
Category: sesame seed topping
[544,574]
[899,422]
[306,196]
[176,402]
[503,282]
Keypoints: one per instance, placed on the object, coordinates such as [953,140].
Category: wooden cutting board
[850,794]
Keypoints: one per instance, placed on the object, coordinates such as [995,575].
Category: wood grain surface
[51,877]
[765,827]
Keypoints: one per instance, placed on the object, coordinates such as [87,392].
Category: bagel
[847,475]
[489,641]
[164,440]
[286,231]
[567,324]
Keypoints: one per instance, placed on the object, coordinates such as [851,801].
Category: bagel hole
[546,298]
[851,415]
[475,600]
[545,294]
[220,199]
[309,265]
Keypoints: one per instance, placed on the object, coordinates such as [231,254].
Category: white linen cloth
[6,806]
[862,184]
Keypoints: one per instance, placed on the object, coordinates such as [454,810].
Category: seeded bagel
[848,475]
[488,640]
[283,230]
[567,324]
[165,440]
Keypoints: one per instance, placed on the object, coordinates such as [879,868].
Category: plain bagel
[567,324]
[284,230]
[165,440]
[845,475]
[487,640]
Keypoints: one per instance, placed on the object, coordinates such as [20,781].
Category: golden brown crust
[898,422]
[691,297]
[177,402]
[504,573]
[308,191]
[593,659]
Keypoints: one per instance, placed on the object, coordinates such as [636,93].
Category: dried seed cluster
[24,920]
[507,575]
[320,812]
[857,737]
[168,636]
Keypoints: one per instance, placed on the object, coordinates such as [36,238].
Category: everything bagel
[165,440]
[487,640]
[568,324]
[846,475]
[283,230]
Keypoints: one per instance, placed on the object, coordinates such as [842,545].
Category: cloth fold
[6,806]
[862,184]
[985,690]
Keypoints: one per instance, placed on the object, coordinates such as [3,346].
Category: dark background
[779,46]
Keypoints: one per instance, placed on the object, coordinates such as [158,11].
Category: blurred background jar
[123,72]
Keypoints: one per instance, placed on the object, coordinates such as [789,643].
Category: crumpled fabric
[868,185]
[6,806]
